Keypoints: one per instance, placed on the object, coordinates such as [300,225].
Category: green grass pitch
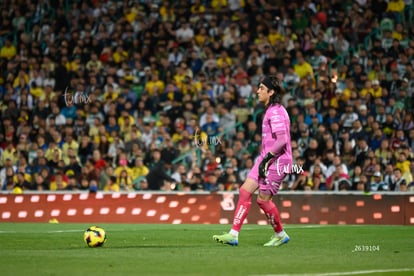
[160,249]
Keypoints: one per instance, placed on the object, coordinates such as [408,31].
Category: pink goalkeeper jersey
[277,119]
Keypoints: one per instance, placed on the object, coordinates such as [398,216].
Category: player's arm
[281,138]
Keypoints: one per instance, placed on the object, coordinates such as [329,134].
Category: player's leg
[264,200]
[242,210]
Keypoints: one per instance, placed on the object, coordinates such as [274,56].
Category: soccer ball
[94,236]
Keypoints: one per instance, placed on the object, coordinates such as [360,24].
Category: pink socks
[242,210]
[243,207]
[271,213]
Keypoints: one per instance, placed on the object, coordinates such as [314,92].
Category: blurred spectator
[41,183]
[169,152]
[361,151]
[59,183]
[157,177]
[124,181]
[180,175]
[377,184]
[8,51]
[211,183]
[348,118]
[398,181]
[210,127]
[122,166]
[139,169]
[73,168]
[111,185]
[72,184]
[338,180]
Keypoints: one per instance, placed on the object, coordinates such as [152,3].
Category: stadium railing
[388,208]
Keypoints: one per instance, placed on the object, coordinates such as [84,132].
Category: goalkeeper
[274,162]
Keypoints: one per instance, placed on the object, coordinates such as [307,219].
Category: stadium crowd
[160,95]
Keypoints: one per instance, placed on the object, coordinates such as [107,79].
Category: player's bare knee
[262,198]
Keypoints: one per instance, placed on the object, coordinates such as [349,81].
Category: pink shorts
[270,185]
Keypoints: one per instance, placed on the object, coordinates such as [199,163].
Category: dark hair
[273,83]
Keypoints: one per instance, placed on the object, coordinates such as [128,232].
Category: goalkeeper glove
[264,165]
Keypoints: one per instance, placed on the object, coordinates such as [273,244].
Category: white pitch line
[47,232]
[297,226]
[64,231]
[358,272]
